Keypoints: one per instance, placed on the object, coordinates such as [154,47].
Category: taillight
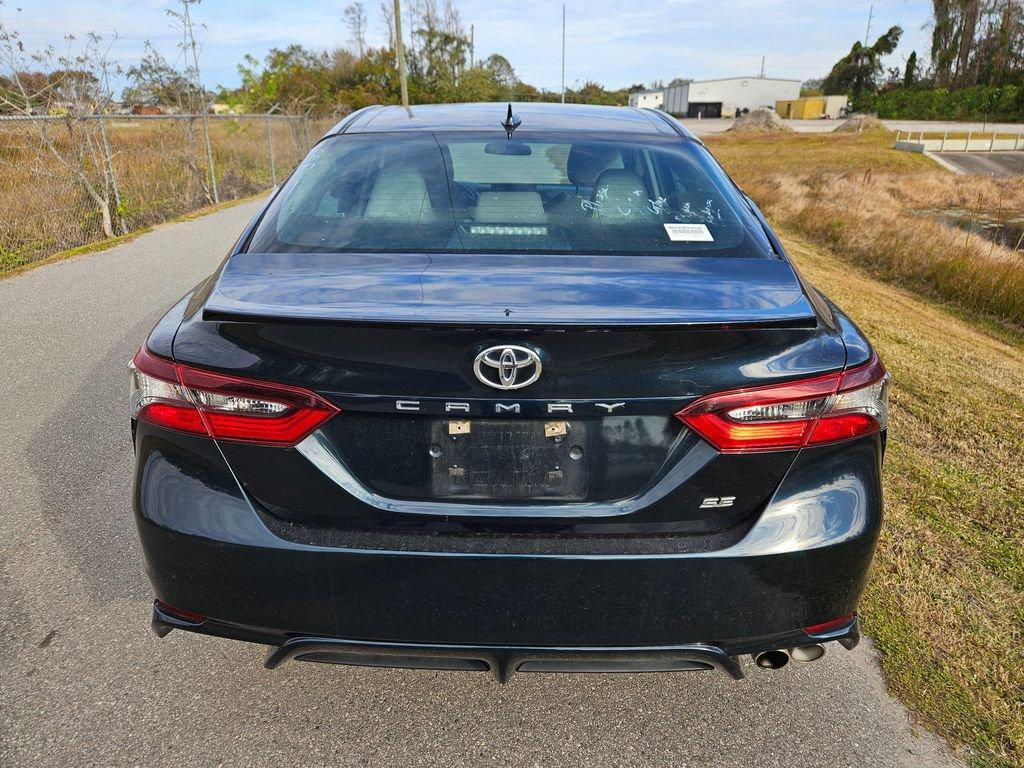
[224,407]
[823,409]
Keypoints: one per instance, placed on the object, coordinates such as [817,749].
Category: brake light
[823,409]
[223,407]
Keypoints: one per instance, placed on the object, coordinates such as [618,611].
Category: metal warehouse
[647,99]
[727,96]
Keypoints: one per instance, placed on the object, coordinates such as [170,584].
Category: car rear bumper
[501,661]
[802,563]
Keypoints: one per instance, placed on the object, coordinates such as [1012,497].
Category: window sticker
[689,233]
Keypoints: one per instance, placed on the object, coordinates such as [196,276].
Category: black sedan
[531,392]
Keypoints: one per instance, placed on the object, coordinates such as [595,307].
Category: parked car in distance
[477,390]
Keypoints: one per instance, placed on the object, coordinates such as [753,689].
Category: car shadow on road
[82,459]
[832,712]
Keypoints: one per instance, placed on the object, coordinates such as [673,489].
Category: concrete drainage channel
[780,657]
[995,154]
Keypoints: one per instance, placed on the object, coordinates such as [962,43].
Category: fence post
[943,145]
[967,144]
[897,139]
[270,148]
[1016,141]
[992,145]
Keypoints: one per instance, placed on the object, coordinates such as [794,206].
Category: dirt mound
[759,121]
[859,123]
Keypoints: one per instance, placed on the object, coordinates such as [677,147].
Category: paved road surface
[706,127]
[990,163]
[84,682]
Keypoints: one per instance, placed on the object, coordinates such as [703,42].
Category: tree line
[440,59]
[439,53]
[974,69]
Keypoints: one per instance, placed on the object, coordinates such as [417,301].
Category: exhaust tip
[807,653]
[772,659]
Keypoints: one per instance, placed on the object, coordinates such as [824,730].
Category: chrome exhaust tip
[806,653]
[772,659]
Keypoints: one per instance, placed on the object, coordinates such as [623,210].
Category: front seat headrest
[586,161]
[619,197]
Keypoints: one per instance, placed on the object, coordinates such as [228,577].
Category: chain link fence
[156,163]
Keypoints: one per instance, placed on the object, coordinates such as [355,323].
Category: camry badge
[507,367]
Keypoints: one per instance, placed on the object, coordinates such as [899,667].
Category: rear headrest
[510,207]
[399,195]
[586,161]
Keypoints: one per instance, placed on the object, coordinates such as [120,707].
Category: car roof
[536,116]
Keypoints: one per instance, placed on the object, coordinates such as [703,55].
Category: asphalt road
[83,681]
[989,163]
[718,125]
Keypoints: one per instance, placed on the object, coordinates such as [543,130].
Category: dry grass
[945,602]
[856,195]
[46,212]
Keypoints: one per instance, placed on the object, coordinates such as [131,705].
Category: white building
[647,99]
[727,96]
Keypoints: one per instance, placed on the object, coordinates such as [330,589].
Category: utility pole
[472,48]
[761,76]
[563,53]
[400,49]
[867,34]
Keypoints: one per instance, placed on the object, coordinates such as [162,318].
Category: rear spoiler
[510,291]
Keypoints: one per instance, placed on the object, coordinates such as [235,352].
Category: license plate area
[510,459]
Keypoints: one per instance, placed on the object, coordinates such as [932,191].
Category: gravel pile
[759,121]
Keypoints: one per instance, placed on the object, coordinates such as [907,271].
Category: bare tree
[971,10]
[198,98]
[154,81]
[74,86]
[387,15]
[355,17]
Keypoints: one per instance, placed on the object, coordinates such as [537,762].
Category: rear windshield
[474,193]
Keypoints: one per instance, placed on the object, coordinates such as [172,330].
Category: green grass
[858,196]
[945,601]
[747,155]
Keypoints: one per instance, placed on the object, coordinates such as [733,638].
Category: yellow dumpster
[809,108]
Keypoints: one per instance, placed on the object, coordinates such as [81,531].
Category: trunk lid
[591,447]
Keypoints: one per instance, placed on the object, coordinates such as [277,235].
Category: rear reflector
[178,613]
[828,626]
[224,407]
[823,409]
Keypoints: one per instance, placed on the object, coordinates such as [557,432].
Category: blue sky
[616,42]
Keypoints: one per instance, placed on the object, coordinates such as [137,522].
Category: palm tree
[858,71]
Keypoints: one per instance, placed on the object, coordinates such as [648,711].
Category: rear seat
[584,164]
[400,196]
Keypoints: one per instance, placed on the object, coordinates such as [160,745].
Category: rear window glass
[464,192]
